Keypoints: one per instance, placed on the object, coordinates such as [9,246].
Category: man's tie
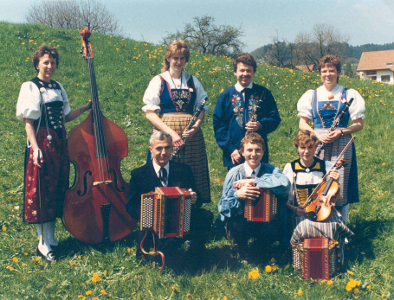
[163,176]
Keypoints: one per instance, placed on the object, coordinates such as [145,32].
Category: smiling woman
[323,105]
[44,107]
[170,100]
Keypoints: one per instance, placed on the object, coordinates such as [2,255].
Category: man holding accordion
[246,183]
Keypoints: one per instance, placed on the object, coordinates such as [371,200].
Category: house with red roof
[377,65]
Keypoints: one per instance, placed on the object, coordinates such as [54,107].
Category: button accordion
[262,209]
[316,258]
[166,211]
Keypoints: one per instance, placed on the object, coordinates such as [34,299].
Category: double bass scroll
[95,207]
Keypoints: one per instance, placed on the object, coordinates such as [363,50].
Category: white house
[377,65]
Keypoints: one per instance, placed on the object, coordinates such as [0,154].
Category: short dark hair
[253,138]
[41,51]
[330,59]
[246,59]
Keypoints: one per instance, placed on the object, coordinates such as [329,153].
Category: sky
[363,21]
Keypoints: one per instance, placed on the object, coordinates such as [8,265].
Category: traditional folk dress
[176,100]
[45,187]
[316,106]
[303,181]
[333,228]
[232,112]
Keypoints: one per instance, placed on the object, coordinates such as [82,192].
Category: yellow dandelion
[95,298]
[383,164]
[274,268]
[22,43]
[24,265]
[133,293]
[348,287]
[4,228]
[383,296]
[103,292]
[357,282]
[356,291]
[224,298]
[10,268]
[299,293]
[268,269]
[80,296]
[253,274]
[129,249]
[188,295]
[368,286]
[349,272]
[15,259]
[95,277]
[324,280]
[38,259]
[105,272]
[175,288]
[330,282]
[73,264]
[88,292]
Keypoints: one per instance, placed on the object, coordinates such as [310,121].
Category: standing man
[231,118]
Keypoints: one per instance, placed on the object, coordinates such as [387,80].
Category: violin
[95,206]
[320,208]
[327,193]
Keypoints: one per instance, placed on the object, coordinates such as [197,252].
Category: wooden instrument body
[95,187]
[166,211]
[263,209]
[95,208]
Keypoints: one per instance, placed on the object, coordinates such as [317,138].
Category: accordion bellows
[166,211]
[316,258]
[263,209]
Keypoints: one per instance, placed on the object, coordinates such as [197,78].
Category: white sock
[43,247]
[51,234]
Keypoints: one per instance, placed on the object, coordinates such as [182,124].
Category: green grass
[123,70]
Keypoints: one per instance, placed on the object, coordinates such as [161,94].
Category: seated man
[159,172]
[243,183]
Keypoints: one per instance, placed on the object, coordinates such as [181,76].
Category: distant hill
[352,51]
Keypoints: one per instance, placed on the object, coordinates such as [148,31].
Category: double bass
[95,207]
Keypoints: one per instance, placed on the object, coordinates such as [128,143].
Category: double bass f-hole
[95,208]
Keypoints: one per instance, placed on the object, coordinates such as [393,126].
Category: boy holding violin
[305,174]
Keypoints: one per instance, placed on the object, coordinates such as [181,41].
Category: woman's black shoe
[49,257]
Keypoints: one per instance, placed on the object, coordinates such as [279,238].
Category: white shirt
[157,170]
[304,105]
[249,170]
[29,100]
[152,93]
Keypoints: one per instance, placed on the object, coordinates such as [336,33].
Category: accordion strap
[154,250]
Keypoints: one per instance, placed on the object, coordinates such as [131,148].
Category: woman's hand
[188,134]
[38,158]
[177,140]
[240,183]
[248,192]
[330,137]
[300,211]
[334,174]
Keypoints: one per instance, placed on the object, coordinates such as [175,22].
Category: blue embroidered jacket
[232,113]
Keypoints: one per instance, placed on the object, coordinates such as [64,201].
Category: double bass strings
[101,150]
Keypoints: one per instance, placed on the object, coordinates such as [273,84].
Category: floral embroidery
[327,106]
[180,99]
[238,108]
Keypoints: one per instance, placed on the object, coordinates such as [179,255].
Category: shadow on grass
[361,245]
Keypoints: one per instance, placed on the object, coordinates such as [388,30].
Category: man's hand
[240,183]
[236,157]
[193,195]
[252,126]
[248,192]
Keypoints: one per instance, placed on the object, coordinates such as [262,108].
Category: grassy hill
[123,70]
